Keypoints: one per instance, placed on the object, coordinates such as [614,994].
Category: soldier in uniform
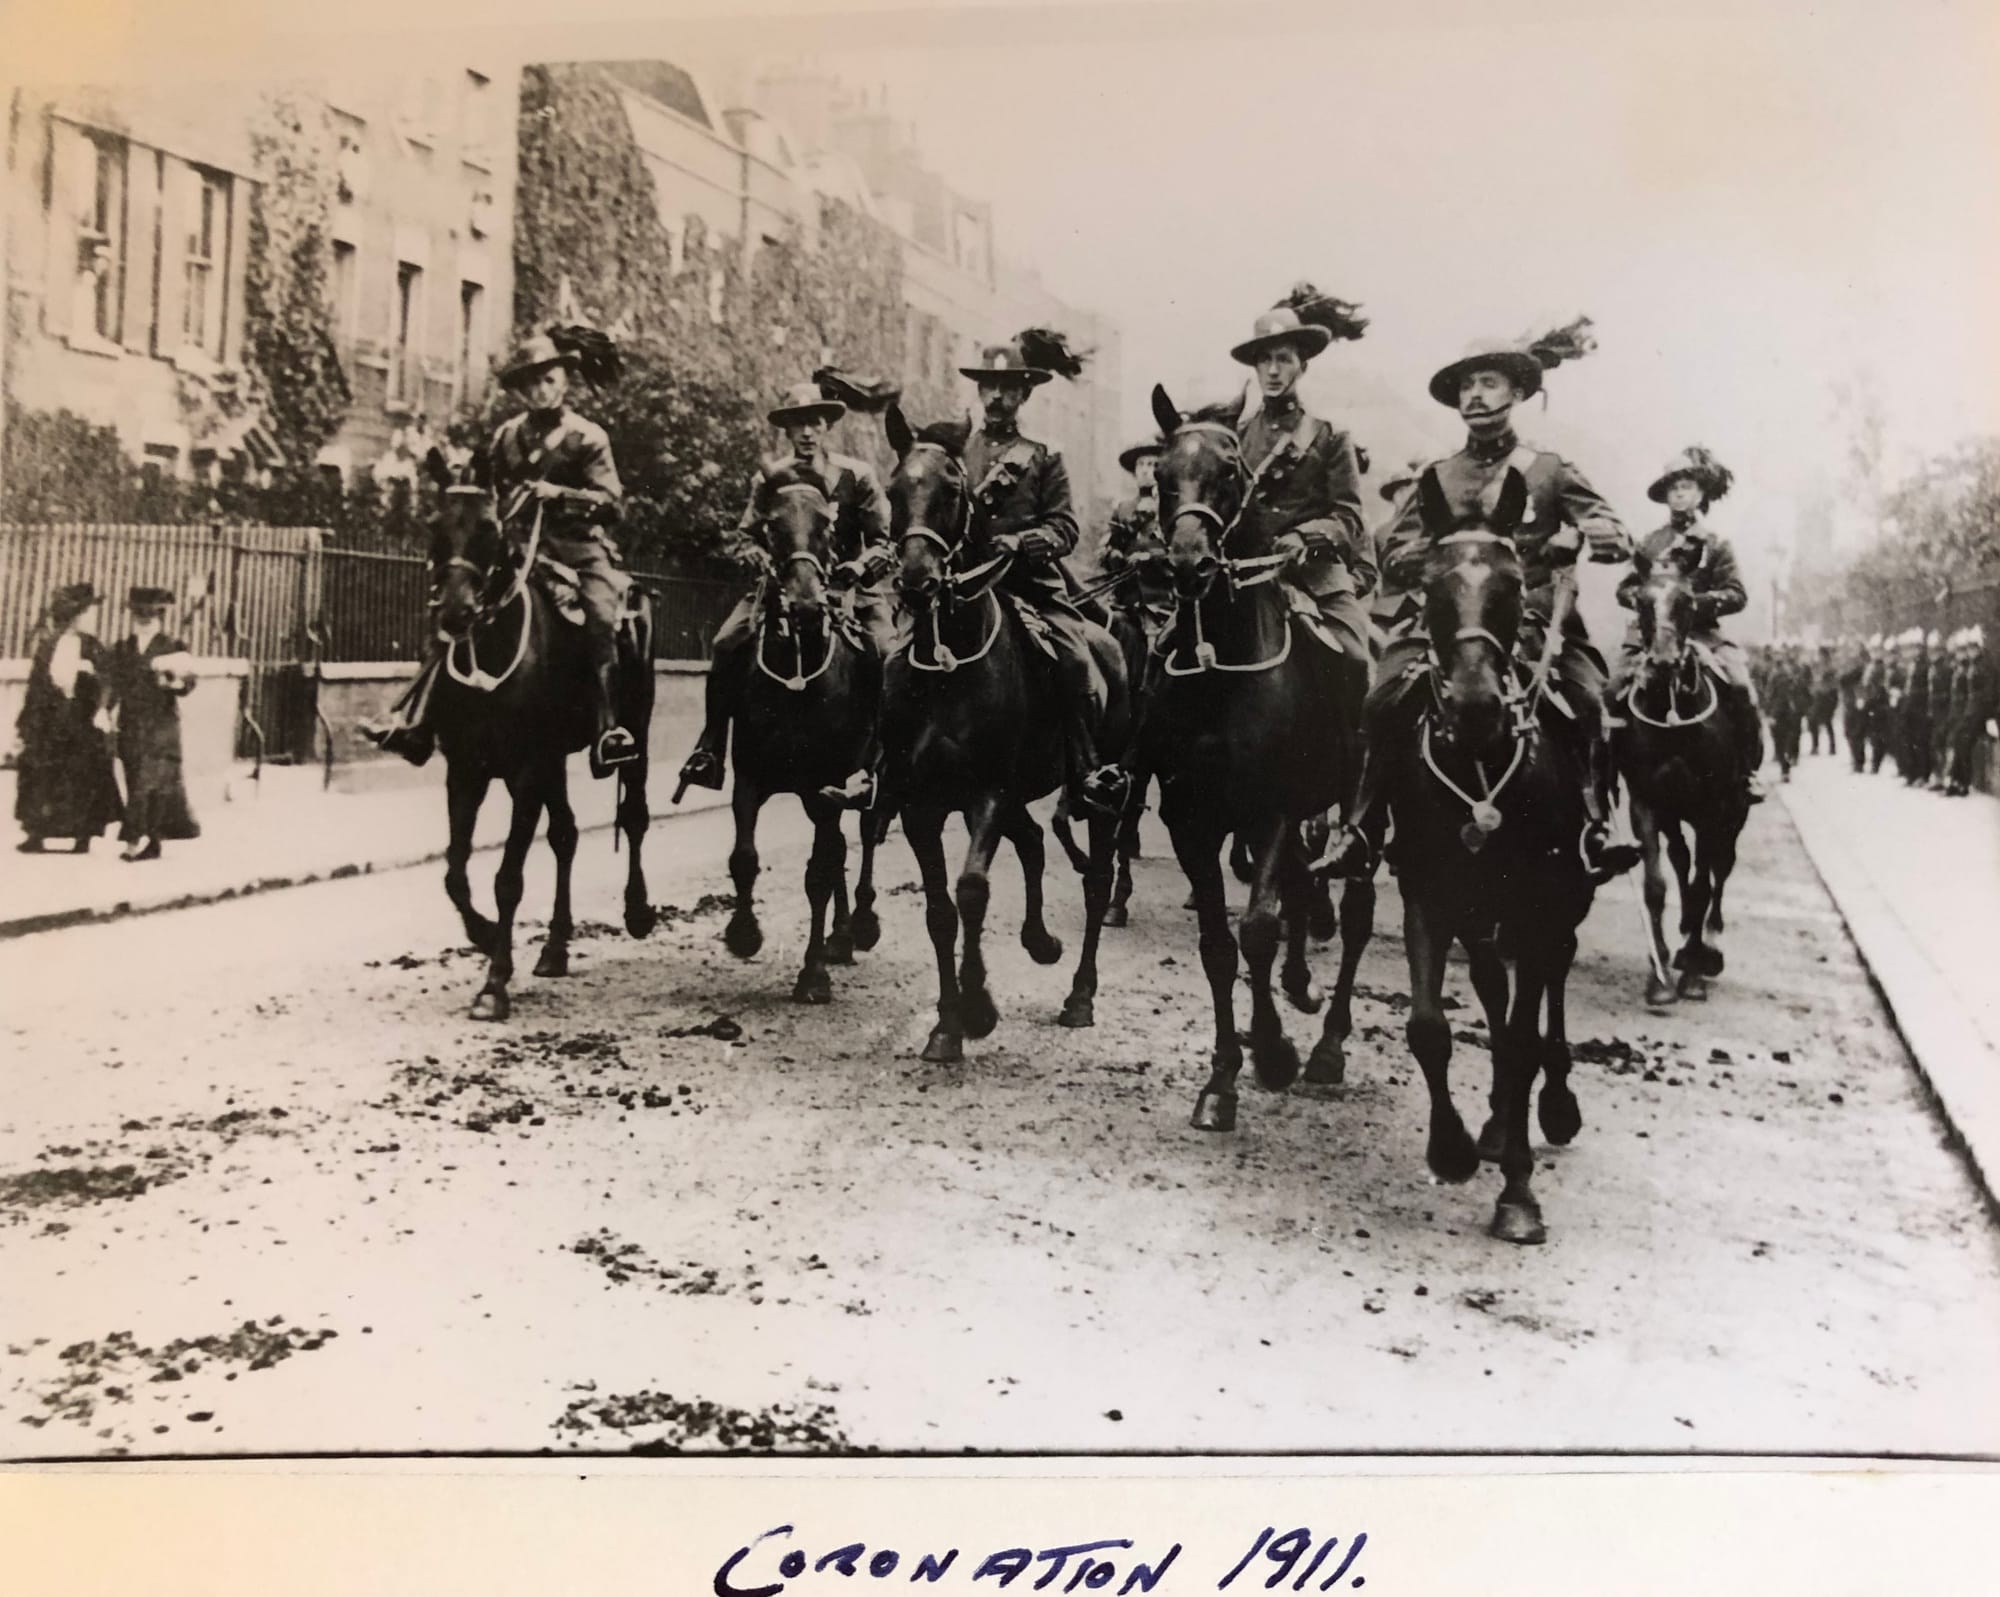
[1913,708]
[1853,663]
[1392,608]
[1692,482]
[1825,698]
[1566,515]
[861,546]
[1937,758]
[1878,696]
[1974,692]
[1021,500]
[1132,538]
[549,456]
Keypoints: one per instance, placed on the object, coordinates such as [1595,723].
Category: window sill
[91,344]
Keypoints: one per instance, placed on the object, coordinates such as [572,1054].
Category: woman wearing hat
[1691,482]
[150,674]
[1134,531]
[560,461]
[66,786]
[1565,517]
[860,540]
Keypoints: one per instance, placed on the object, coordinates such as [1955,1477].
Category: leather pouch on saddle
[1305,614]
[1035,623]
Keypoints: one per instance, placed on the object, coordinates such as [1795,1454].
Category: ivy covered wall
[709,343]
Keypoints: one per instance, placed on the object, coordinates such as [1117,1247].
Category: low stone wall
[208,724]
[351,693]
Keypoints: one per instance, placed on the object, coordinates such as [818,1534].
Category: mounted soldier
[1021,507]
[1691,483]
[860,539]
[1392,607]
[550,468]
[1132,540]
[1565,516]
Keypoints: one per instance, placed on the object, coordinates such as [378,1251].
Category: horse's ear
[438,469]
[1512,504]
[900,436]
[1432,504]
[1164,413]
[958,435]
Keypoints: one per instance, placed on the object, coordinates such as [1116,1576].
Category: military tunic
[1559,496]
[1705,555]
[1134,530]
[860,528]
[573,453]
[1019,485]
[1306,481]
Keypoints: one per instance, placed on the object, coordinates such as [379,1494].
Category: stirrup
[1604,859]
[1350,856]
[414,743]
[1104,790]
[703,769]
[615,746]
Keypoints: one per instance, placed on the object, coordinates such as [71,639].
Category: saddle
[1307,619]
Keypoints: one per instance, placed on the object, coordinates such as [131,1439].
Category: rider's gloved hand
[1007,543]
[541,488]
[1038,543]
[876,564]
[758,563]
[1292,546]
[1115,560]
[1563,546]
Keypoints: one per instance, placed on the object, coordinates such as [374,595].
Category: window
[407,337]
[98,194]
[207,252]
[346,292]
[471,337]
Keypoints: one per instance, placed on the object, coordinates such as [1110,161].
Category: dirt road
[263,1188]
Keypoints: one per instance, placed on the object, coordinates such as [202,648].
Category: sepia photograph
[1162,729]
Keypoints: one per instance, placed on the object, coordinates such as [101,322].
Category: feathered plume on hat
[1048,349]
[1715,478]
[870,394]
[596,355]
[1340,318]
[1570,342]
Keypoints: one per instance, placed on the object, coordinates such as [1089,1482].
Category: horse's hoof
[1693,986]
[1117,915]
[1518,1220]
[866,929]
[554,961]
[1275,1061]
[1326,1065]
[1452,1155]
[1214,1111]
[1556,1109]
[640,919]
[1492,1138]
[743,936]
[814,986]
[1659,993]
[1043,947]
[840,949]
[1708,960]
[1078,1010]
[1303,996]
[977,1013]
[492,1004]
[944,1048]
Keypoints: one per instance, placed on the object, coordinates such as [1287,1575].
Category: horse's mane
[782,471]
[950,436]
[1222,412]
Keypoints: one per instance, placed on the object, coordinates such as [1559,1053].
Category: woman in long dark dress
[150,673]
[65,786]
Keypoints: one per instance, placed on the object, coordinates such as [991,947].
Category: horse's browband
[1475,535]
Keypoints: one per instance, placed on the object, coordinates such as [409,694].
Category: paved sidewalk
[1917,879]
[281,830]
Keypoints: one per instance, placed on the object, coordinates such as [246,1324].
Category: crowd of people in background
[1925,700]
[93,714]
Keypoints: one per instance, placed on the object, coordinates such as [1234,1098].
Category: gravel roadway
[264,1188]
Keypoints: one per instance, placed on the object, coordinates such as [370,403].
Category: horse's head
[1202,483]
[796,519]
[930,502]
[1665,603]
[469,554]
[1472,607]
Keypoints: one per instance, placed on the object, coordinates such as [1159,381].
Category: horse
[1684,773]
[1492,861]
[970,727]
[806,721]
[1250,737]
[511,705]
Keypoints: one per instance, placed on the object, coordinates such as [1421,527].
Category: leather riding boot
[859,791]
[406,729]
[612,745]
[1092,786]
[1750,741]
[726,670]
[1602,857]
[1357,848]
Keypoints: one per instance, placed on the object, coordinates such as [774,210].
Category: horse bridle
[472,674]
[1237,573]
[1687,662]
[955,586]
[798,557]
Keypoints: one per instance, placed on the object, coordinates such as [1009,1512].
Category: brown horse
[807,717]
[1680,761]
[970,727]
[1489,817]
[1250,736]
[511,705]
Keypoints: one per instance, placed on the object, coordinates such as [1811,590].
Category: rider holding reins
[860,540]
[1692,481]
[551,461]
[1565,516]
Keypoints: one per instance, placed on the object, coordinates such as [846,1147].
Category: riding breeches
[1344,615]
[600,584]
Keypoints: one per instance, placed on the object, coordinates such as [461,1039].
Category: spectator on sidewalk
[66,787]
[151,671]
